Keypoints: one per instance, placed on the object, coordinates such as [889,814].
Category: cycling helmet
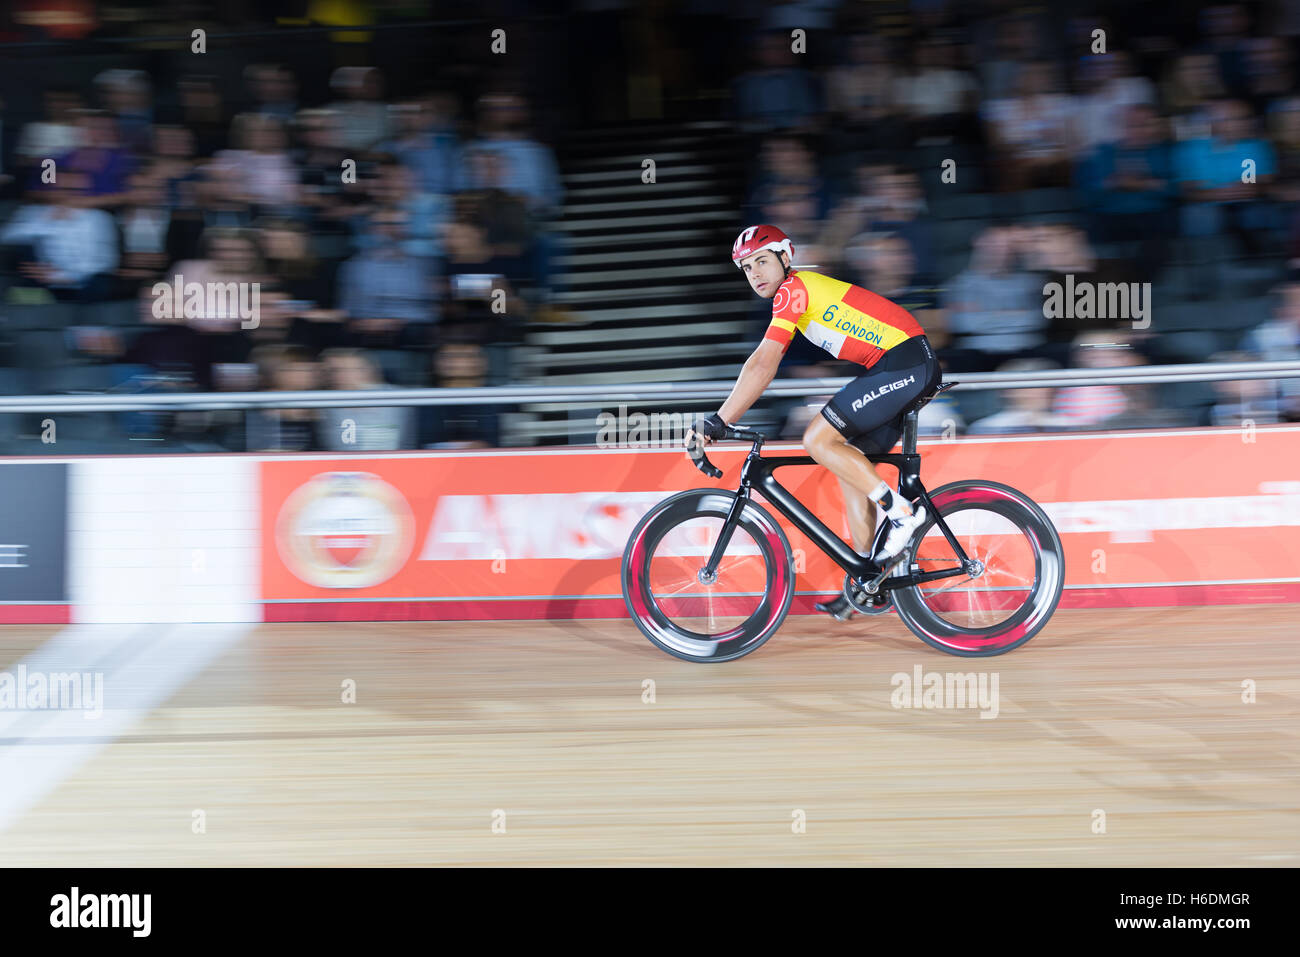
[754,238]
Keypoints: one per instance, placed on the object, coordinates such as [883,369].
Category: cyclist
[866,415]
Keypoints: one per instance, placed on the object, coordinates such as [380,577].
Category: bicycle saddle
[941,387]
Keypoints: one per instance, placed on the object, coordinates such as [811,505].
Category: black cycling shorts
[869,411]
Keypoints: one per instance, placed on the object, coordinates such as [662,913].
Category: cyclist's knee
[819,436]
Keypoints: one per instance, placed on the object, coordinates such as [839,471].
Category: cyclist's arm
[759,371]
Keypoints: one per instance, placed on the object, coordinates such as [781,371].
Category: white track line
[143,666]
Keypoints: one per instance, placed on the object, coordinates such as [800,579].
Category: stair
[643,273]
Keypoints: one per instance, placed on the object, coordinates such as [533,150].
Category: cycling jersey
[846,320]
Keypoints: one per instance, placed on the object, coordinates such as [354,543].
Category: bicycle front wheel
[1015,588]
[698,617]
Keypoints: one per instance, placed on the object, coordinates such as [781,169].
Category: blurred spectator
[203,113]
[481,304]
[1239,400]
[1130,186]
[1025,410]
[394,186]
[941,416]
[859,95]
[221,192]
[1012,43]
[363,117]
[1191,85]
[1089,405]
[461,364]
[144,223]
[529,168]
[128,97]
[1278,340]
[260,165]
[168,349]
[1212,173]
[788,170]
[62,246]
[55,136]
[1111,88]
[286,248]
[319,160]
[1284,132]
[1269,72]
[1225,28]
[994,307]
[386,292]
[889,200]
[883,263]
[231,258]
[777,95]
[171,165]
[274,90]
[936,99]
[1060,254]
[503,215]
[1029,133]
[427,143]
[284,368]
[100,160]
[366,428]
[790,204]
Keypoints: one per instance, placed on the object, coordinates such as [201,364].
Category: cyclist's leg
[860,513]
[867,416]
[866,409]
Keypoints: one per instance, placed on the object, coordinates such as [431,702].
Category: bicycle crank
[864,603]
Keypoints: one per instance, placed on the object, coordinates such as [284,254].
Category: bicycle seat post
[909,433]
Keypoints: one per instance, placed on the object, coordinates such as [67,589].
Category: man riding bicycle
[866,416]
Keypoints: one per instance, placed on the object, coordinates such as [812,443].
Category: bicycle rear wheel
[1016,587]
[689,615]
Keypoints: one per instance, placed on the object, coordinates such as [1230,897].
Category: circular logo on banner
[345,530]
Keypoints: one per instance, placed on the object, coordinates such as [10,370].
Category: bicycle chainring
[863,603]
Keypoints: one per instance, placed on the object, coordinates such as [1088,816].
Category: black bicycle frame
[757,472]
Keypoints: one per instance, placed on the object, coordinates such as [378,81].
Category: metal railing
[584,395]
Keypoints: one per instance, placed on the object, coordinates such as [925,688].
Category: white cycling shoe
[899,535]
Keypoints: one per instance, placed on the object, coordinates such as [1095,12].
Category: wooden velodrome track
[1136,713]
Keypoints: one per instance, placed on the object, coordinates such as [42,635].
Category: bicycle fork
[709,573]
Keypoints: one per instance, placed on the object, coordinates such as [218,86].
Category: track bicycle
[708,574]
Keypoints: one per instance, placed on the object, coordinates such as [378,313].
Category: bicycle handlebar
[696,449]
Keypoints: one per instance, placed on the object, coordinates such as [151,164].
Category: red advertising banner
[1199,516]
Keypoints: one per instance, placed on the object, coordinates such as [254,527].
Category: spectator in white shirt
[1029,133]
[50,138]
[67,249]
[265,169]
[936,97]
[1111,89]
[1024,410]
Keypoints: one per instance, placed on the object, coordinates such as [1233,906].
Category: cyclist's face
[764,272]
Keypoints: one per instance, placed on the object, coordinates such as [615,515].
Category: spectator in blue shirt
[1226,179]
[1131,189]
[386,292]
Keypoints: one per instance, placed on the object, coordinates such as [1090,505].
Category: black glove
[713,428]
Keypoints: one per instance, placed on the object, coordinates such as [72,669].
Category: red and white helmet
[755,238]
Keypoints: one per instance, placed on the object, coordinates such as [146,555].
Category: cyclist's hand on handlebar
[711,429]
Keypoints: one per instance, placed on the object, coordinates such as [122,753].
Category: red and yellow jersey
[846,320]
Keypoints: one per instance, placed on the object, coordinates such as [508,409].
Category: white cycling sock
[895,507]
